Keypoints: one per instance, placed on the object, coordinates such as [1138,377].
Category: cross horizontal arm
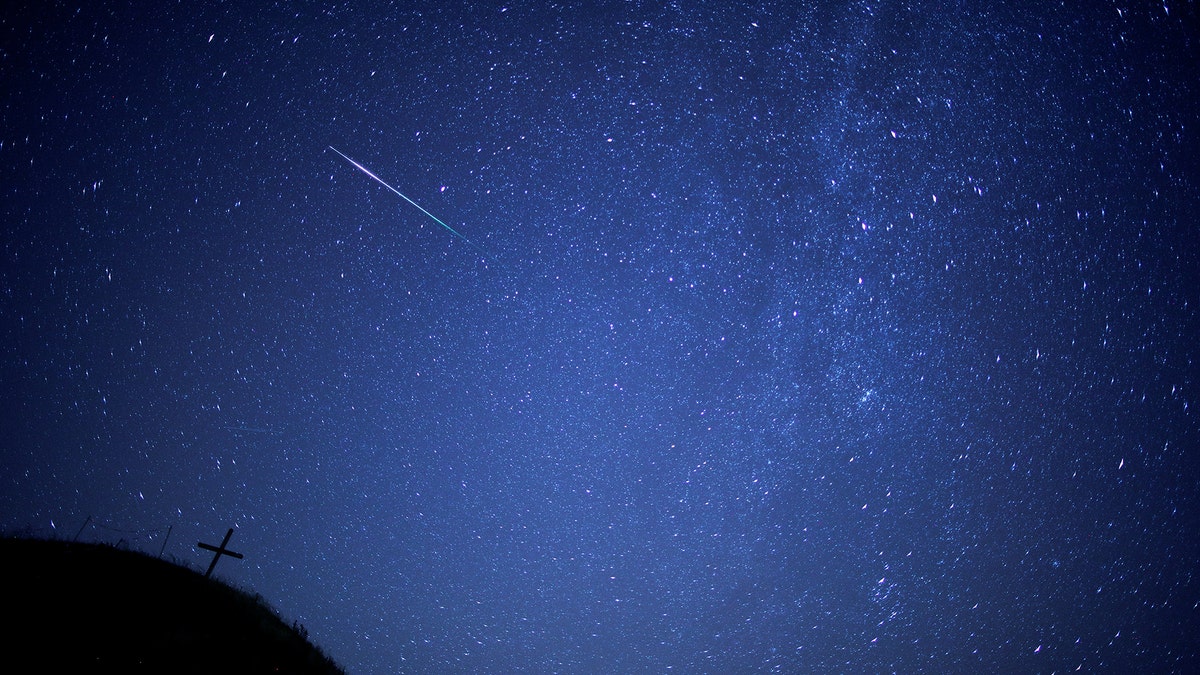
[221,551]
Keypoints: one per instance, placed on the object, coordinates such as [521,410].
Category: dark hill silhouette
[74,608]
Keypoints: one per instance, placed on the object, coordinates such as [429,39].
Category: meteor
[402,196]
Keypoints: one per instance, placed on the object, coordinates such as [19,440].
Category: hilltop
[74,607]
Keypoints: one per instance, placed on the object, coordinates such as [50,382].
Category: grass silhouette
[79,608]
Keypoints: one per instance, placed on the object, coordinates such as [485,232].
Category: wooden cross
[220,551]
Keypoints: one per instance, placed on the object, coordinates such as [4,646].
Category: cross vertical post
[219,551]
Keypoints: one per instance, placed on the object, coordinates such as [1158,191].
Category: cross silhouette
[220,551]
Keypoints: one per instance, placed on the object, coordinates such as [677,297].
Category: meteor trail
[380,181]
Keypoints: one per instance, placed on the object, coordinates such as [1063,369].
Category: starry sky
[851,337]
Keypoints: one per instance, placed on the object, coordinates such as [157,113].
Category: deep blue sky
[852,339]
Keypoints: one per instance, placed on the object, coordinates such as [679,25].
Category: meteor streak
[402,196]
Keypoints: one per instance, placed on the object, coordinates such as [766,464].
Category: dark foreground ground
[95,608]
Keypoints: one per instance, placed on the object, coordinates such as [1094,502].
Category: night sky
[862,338]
